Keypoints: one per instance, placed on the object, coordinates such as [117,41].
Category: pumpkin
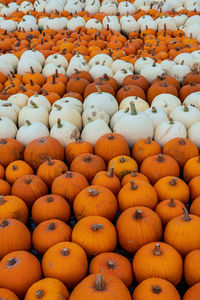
[144,148]
[18,233]
[113,264]
[69,185]
[8,294]
[155,288]
[111,145]
[137,226]
[158,260]
[2,172]
[60,262]
[14,208]
[48,233]
[194,187]
[130,90]
[5,187]
[18,271]
[76,148]
[169,209]
[47,288]
[161,88]
[191,267]
[88,165]
[134,175]
[157,166]
[29,188]
[172,187]
[122,165]
[95,200]
[95,234]
[191,168]
[193,292]
[182,233]
[17,169]
[96,285]
[136,79]
[181,149]
[50,169]
[37,151]
[195,207]
[10,150]
[137,193]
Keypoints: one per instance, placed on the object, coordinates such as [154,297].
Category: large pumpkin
[76,148]
[144,148]
[192,267]
[122,165]
[17,169]
[10,150]
[13,207]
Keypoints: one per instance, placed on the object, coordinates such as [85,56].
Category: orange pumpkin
[194,187]
[122,165]
[195,207]
[13,207]
[191,168]
[5,187]
[7,294]
[76,148]
[134,175]
[193,292]
[192,267]
[17,169]
[144,148]
[10,150]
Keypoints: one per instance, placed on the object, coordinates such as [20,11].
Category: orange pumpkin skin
[191,168]
[144,148]
[17,169]
[169,209]
[192,267]
[37,151]
[29,188]
[88,165]
[158,166]
[95,200]
[48,233]
[155,288]
[132,227]
[50,207]
[13,207]
[158,260]
[10,150]
[137,193]
[95,234]
[194,187]
[113,264]
[193,292]
[18,233]
[96,286]
[50,169]
[111,145]
[69,185]
[133,176]
[195,207]
[76,148]
[181,149]
[5,188]
[18,271]
[182,233]
[172,187]
[60,262]
[122,165]
[2,172]
[47,288]
[7,294]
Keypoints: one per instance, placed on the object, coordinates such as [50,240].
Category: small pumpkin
[17,169]
[191,168]
[10,150]
[122,165]
[195,207]
[76,148]
[8,294]
[13,207]
[5,187]
[193,292]
[194,187]
[134,175]
[191,267]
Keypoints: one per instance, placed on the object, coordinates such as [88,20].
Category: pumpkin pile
[99,149]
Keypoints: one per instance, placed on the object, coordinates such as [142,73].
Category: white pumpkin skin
[117,116]
[167,102]
[75,103]
[8,129]
[140,104]
[193,99]
[94,114]
[186,114]
[40,100]
[193,134]
[31,131]
[168,130]
[19,99]
[9,110]
[94,130]
[157,115]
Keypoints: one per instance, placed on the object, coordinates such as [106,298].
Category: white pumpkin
[6,68]
[75,103]
[97,71]
[119,64]
[168,130]
[26,63]
[65,132]
[31,131]
[11,59]
[19,99]
[101,59]
[167,102]
[33,113]
[77,62]
[121,75]
[52,68]
[109,7]
[94,130]
[111,22]
[65,112]
[92,6]
[101,100]
[167,64]
[94,113]
[134,126]
[193,133]
[40,100]
[179,71]
[193,99]
[140,104]
[129,25]
[157,115]
[93,24]
[125,8]
[57,59]
[75,22]
[141,63]
[186,114]
[151,72]
[8,25]
[8,129]
[9,110]
[184,59]
[35,55]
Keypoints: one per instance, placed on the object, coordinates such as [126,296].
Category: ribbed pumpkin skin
[50,207]
[70,268]
[7,294]
[194,187]
[145,290]
[17,169]
[22,274]
[10,150]
[95,200]
[113,264]
[13,207]
[5,187]
[137,226]
[51,288]
[192,267]
[48,233]
[76,148]
[162,261]
[193,292]
[122,165]
[14,236]
[108,180]
[191,168]
[144,148]
[133,176]
[195,207]
[115,289]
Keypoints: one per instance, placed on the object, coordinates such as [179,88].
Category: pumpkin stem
[134,173]
[186,109]
[51,226]
[160,157]
[154,110]
[157,251]
[50,161]
[111,137]
[14,167]
[99,285]
[186,215]
[110,172]
[4,223]
[122,159]
[27,180]
[3,141]
[32,70]
[182,142]
[111,264]
[105,77]
[33,104]
[12,261]
[138,214]
[133,108]
[65,252]
[58,106]
[98,89]
[53,79]
[156,289]
[68,174]
[173,181]
[49,199]
[27,122]
[148,140]
[133,185]
[171,202]
[96,227]
[59,124]
[39,294]
[2,200]
[87,158]
[93,192]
